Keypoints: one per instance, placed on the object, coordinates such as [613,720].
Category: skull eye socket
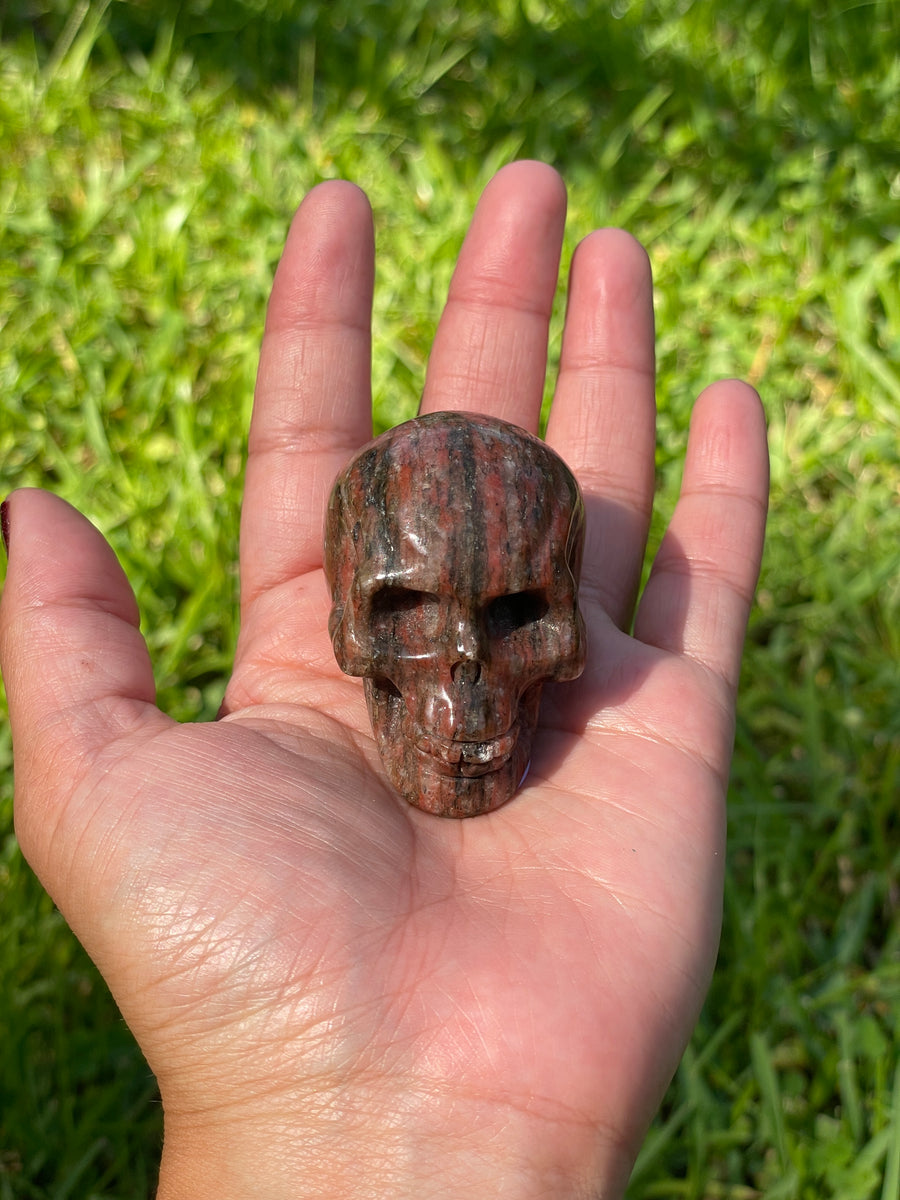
[506,614]
[393,606]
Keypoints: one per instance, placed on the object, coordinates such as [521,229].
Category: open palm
[342,995]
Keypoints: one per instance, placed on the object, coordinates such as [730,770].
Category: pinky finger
[701,586]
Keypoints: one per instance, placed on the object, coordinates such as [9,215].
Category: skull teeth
[468,753]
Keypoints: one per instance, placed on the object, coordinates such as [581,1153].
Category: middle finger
[490,349]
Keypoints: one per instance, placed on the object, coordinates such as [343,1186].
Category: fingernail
[4,525]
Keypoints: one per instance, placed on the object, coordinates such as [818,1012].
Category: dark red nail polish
[4,524]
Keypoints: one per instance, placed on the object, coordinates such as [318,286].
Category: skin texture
[341,995]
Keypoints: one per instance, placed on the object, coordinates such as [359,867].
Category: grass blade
[891,1187]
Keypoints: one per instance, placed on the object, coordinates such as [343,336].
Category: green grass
[148,177]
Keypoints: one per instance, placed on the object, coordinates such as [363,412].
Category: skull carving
[452,548]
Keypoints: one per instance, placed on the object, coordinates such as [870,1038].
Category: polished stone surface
[453,547]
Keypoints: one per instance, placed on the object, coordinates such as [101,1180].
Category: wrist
[517,1158]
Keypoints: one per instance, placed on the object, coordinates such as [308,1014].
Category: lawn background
[151,156]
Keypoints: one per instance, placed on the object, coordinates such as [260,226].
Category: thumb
[76,668]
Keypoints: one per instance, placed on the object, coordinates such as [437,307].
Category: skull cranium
[453,548]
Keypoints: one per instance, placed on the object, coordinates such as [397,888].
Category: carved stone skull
[452,548]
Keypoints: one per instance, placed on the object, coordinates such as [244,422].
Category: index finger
[313,404]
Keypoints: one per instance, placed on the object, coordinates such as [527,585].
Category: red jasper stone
[453,548]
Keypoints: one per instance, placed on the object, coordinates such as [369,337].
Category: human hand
[339,994]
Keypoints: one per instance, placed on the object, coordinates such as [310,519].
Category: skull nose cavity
[466,672]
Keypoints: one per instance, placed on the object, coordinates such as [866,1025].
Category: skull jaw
[457,779]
